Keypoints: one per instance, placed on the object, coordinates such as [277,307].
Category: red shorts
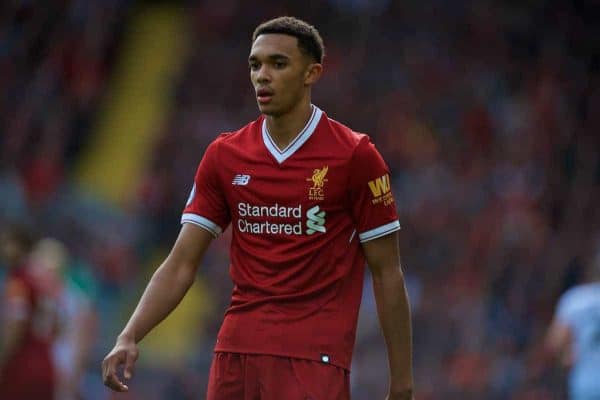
[28,375]
[236,376]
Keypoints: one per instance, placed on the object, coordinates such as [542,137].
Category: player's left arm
[383,258]
[558,342]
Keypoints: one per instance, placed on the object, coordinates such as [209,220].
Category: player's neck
[284,128]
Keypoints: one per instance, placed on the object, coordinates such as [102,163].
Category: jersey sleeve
[371,198]
[206,205]
[567,304]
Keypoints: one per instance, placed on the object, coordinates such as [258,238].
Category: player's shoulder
[20,283]
[240,134]
[580,296]
[358,145]
[345,134]
[240,137]
[16,287]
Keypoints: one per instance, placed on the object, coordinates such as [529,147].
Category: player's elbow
[387,277]
[179,274]
[186,274]
[386,271]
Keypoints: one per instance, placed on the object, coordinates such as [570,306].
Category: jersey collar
[299,140]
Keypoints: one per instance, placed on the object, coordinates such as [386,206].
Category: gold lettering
[380,186]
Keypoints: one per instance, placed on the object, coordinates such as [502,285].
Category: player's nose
[263,75]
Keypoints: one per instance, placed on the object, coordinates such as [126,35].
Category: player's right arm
[165,290]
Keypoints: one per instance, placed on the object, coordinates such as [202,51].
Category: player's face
[280,73]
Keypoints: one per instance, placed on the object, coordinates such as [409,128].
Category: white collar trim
[299,140]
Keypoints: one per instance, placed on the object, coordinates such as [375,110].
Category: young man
[308,201]
[574,336]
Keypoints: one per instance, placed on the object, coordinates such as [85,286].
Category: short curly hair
[309,38]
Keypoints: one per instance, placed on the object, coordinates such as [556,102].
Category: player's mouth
[264,96]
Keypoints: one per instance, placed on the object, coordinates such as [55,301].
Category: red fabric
[263,377]
[296,294]
[29,373]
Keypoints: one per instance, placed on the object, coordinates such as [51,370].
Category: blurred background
[487,112]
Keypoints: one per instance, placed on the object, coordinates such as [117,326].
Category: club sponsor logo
[280,220]
[315,221]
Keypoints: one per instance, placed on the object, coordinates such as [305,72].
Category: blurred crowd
[486,112]
[53,66]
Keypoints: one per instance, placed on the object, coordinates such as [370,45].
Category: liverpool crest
[317,191]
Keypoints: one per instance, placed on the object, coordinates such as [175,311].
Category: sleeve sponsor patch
[381,190]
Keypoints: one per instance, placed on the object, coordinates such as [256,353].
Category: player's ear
[313,73]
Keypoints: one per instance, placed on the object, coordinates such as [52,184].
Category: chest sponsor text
[280,220]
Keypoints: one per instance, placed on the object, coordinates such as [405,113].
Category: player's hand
[125,353]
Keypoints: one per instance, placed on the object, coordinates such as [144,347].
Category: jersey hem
[222,349]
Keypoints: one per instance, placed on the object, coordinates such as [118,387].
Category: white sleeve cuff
[379,231]
[201,222]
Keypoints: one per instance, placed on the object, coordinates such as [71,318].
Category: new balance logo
[315,220]
[241,180]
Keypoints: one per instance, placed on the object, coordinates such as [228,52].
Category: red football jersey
[298,217]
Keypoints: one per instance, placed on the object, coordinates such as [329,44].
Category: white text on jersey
[279,220]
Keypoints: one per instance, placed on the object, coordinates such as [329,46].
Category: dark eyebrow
[271,57]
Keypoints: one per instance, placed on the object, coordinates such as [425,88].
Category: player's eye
[254,66]
[280,64]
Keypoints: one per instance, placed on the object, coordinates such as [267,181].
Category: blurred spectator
[574,335]
[76,318]
[53,61]
[28,323]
